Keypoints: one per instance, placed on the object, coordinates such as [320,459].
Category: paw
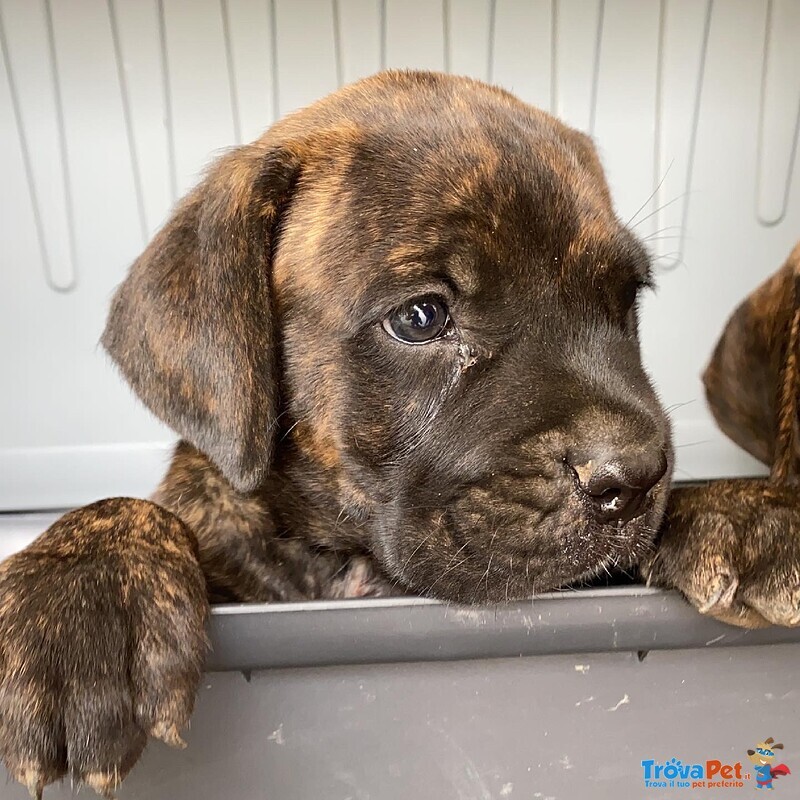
[102,640]
[733,549]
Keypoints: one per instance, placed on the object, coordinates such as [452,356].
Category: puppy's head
[414,297]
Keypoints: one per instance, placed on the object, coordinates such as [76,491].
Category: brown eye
[418,321]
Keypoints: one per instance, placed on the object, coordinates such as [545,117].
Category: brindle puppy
[398,336]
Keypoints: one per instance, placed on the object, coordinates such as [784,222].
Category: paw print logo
[763,758]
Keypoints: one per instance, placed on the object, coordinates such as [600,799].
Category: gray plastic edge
[397,630]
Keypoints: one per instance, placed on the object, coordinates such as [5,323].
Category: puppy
[398,337]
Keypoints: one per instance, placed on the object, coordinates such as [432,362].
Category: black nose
[614,486]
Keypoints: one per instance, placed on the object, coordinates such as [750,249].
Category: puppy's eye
[418,321]
[629,294]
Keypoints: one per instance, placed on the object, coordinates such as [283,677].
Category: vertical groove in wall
[761,104]
[273,32]
[128,118]
[383,32]
[168,115]
[688,175]
[598,47]
[761,144]
[698,96]
[233,86]
[26,159]
[553,56]
[658,137]
[337,43]
[62,146]
[446,35]
[790,168]
[490,48]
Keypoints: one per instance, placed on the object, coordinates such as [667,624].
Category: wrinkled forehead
[491,199]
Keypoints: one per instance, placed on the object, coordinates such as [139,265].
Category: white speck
[716,639]
[769,696]
[507,789]
[565,762]
[625,700]
[585,700]
[277,735]
[582,668]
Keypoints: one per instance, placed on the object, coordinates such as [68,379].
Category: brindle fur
[321,458]
[746,376]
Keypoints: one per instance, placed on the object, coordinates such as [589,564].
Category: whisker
[676,406]
[660,183]
[660,208]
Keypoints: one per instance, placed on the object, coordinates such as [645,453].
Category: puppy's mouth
[487,549]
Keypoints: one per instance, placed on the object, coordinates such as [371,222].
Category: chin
[565,548]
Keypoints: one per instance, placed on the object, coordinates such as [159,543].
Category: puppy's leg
[102,643]
[247,554]
[733,549]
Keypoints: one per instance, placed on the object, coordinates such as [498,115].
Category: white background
[110,109]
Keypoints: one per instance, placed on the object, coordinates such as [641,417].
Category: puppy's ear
[752,381]
[191,327]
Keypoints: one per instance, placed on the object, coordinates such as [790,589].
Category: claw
[168,733]
[35,790]
[103,783]
[32,779]
[723,588]
[776,608]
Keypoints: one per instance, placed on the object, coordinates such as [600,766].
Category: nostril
[614,504]
[615,488]
[609,497]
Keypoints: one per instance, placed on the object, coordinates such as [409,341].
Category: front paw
[733,549]
[102,639]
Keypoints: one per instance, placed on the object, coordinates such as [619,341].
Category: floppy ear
[752,381]
[191,327]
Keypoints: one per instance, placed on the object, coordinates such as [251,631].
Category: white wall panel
[306,64]
[110,109]
[414,33]
[522,49]
[685,26]
[576,49]
[35,98]
[468,43]
[136,30]
[779,127]
[199,84]
[359,28]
